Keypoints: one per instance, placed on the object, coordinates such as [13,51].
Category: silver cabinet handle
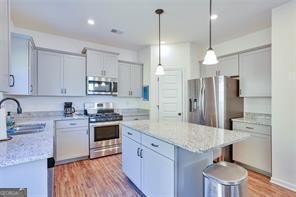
[131,92]
[138,152]
[141,153]
[73,123]
[102,72]
[129,133]
[65,91]
[31,88]
[249,128]
[87,132]
[62,91]
[155,145]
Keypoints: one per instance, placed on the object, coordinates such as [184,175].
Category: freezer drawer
[254,152]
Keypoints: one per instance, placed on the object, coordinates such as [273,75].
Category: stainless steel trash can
[225,179]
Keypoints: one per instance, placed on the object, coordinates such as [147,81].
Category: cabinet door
[255,73]
[131,162]
[110,66]
[95,63]
[50,66]
[124,79]
[19,66]
[136,80]
[208,70]
[71,143]
[32,69]
[4,45]
[254,151]
[74,75]
[228,66]
[157,174]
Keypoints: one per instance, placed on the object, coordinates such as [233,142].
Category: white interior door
[170,95]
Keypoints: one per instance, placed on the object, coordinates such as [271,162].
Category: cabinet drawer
[262,129]
[71,123]
[159,146]
[132,134]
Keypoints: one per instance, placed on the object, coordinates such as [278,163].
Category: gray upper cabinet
[227,66]
[50,73]
[74,75]
[22,65]
[255,73]
[101,64]
[4,45]
[60,74]
[130,79]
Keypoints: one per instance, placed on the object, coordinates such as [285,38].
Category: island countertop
[192,137]
[28,147]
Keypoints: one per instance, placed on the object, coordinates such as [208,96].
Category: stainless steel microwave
[101,86]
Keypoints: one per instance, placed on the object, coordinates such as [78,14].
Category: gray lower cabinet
[4,44]
[130,79]
[255,73]
[60,74]
[22,65]
[72,140]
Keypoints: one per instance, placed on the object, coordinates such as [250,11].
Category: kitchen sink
[27,129]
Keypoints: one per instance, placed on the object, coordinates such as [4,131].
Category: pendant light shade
[210,57]
[159,68]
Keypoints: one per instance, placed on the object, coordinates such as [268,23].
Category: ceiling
[183,20]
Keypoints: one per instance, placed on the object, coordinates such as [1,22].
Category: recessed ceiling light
[214,16]
[162,42]
[90,21]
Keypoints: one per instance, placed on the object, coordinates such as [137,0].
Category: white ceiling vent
[116,31]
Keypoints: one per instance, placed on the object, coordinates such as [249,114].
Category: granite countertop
[259,121]
[28,147]
[49,118]
[133,112]
[188,136]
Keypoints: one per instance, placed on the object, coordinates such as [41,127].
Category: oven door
[104,134]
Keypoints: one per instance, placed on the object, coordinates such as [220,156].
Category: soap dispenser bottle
[9,121]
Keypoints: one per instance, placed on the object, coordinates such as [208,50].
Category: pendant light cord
[159,51]
[210,42]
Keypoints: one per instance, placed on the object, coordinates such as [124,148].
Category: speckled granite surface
[191,137]
[254,118]
[28,147]
[133,112]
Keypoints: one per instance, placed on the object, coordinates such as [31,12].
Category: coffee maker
[68,109]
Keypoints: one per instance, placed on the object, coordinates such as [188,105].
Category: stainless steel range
[105,134]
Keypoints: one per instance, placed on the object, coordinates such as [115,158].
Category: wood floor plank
[103,178]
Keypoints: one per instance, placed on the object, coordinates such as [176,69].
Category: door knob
[179,114]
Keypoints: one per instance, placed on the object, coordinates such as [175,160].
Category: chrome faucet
[19,109]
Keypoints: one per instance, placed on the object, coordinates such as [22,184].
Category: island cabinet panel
[131,162]
[157,174]
[149,169]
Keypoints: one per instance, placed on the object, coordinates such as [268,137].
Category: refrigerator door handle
[190,105]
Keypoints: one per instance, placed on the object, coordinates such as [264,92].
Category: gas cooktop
[105,117]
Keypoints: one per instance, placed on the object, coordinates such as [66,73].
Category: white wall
[174,56]
[253,40]
[45,40]
[284,95]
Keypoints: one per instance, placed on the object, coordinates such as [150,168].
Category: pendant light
[210,57]
[159,68]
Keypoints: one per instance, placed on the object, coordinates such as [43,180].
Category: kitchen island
[167,158]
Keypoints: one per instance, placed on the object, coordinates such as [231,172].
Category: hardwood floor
[103,178]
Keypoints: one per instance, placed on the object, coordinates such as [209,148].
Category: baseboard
[283,184]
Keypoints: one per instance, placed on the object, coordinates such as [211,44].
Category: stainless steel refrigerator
[214,101]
